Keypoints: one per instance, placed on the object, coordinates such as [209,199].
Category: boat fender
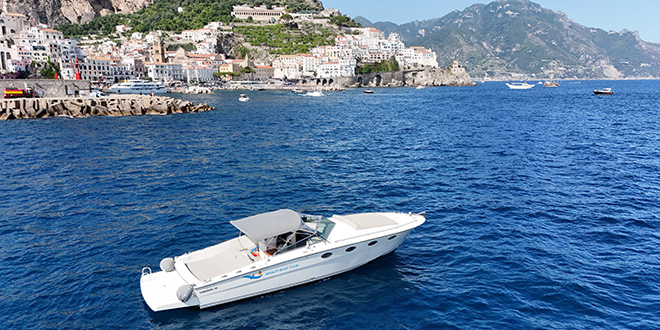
[167,264]
[184,293]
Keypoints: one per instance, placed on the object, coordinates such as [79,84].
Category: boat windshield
[314,229]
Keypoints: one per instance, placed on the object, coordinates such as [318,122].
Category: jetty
[79,107]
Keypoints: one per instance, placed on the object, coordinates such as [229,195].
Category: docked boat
[275,251]
[314,93]
[137,86]
[243,98]
[550,84]
[520,85]
[368,91]
[604,91]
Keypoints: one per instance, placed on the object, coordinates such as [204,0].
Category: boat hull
[235,270]
[131,91]
[308,268]
[314,263]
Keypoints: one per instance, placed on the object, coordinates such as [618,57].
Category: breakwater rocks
[116,105]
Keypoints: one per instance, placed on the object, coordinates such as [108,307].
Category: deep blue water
[542,207]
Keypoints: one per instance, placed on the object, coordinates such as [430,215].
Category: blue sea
[542,207]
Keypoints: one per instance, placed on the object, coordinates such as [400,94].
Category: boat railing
[146,271]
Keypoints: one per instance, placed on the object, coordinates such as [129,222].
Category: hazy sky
[634,15]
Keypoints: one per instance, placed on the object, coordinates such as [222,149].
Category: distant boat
[550,84]
[520,86]
[137,86]
[297,91]
[314,93]
[420,87]
[368,91]
[604,91]
[243,98]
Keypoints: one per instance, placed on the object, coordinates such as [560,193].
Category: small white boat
[420,87]
[604,91]
[277,250]
[368,91]
[244,98]
[314,93]
[520,85]
[137,86]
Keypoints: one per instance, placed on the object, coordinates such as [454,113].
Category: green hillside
[163,15]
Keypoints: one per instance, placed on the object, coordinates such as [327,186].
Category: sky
[616,15]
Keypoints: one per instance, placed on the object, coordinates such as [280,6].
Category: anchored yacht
[275,250]
[137,86]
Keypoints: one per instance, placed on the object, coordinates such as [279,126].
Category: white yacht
[137,86]
[243,98]
[520,85]
[276,250]
[314,93]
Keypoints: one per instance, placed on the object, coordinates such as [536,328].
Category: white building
[198,35]
[198,73]
[13,23]
[258,13]
[164,72]
[336,68]
[417,56]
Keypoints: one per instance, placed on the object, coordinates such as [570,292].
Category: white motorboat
[243,98]
[420,87]
[314,93]
[520,85]
[276,250]
[137,86]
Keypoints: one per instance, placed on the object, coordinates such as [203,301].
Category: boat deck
[220,259]
[365,220]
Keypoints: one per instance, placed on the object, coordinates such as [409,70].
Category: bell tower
[158,52]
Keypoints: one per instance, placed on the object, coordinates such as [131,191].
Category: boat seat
[365,220]
[224,259]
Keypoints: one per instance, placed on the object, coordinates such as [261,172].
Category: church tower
[158,54]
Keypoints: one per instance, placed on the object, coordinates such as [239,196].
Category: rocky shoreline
[119,105]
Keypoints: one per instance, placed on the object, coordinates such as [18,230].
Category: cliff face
[55,12]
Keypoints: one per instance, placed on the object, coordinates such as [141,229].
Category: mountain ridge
[519,38]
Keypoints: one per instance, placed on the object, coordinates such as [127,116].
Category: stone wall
[414,77]
[48,87]
[128,105]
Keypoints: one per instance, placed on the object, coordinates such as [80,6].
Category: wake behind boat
[520,85]
[276,250]
[137,86]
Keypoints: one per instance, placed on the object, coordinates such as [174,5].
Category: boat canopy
[266,225]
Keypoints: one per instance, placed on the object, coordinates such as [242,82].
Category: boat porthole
[373,243]
[392,237]
[350,249]
[325,255]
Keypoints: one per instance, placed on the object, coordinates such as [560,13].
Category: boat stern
[166,290]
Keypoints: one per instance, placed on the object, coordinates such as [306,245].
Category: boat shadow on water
[374,280]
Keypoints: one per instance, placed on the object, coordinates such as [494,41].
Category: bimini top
[265,225]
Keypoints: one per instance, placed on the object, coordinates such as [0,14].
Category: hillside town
[26,44]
